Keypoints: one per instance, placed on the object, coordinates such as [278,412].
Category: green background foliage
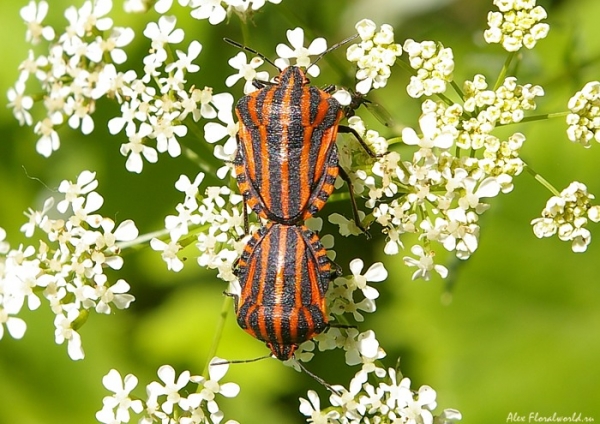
[514,329]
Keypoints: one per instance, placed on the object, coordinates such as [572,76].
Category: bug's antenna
[248,49]
[330,49]
[241,361]
[302,367]
[318,379]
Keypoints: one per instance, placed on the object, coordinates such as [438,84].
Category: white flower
[120,400]
[184,61]
[16,326]
[49,141]
[216,370]
[432,136]
[169,253]
[135,149]
[375,274]
[374,55]
[214,131]
[171,387]
[517,24]
[424,264]
[163,6]
[299,52]
[190,189]
[164,32]
[86,184]
[33,14]
[247,71]
[209,9]
[20,103]
[257,4]
[312,408]
[64,331]
[116,294]
[419,410]
[166,130]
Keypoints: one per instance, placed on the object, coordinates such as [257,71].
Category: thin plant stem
[504,70]
[542,181]
[141,241]
[225,308]
[545,116]
[458,90]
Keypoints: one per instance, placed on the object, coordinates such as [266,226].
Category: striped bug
[287,162]
[284,273]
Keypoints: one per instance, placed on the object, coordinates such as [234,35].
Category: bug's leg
[344,176]
[245,214]
[349,130]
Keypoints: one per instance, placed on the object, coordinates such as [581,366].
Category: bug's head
[283,352]
[292,74]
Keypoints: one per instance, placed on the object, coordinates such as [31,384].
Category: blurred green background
[519,332]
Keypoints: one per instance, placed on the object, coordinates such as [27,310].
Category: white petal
[214,132]
[488,188]
[368,344]
[126,231]
[376,273]
[134,163]
[74,347]
[284,51]
[217,372]
[16,327]
[356,266]
[112,381]
[318,46]
[229,390]
[296,37]
[167,374]
[444,141]
[409,136]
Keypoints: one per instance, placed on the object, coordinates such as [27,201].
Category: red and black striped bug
[287,161]
[284,273]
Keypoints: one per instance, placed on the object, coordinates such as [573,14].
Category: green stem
[504,70]
[142,240]
[245,33]
[458,90]
[204,166]
[218,333]
[406,66]
[545,116]
[542,180]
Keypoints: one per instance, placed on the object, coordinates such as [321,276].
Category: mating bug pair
[286,166]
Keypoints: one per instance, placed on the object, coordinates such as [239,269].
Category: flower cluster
[213,220]
[584,119]
[170,400]
[517,24]
[374,55]
[80,69]
[434,65]
[390,400]
[567,215]
[437,195]
[359,348]
[68,267]
[154,106]
[247,70]
[76,72]
[215,11]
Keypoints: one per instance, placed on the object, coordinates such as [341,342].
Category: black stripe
[315,101]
